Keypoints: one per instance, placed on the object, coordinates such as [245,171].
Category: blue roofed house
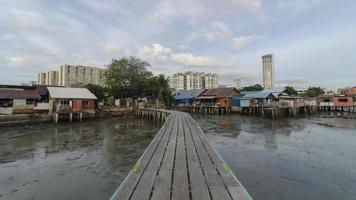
[186,97]
[263,98]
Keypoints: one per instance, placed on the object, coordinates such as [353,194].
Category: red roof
[219,93]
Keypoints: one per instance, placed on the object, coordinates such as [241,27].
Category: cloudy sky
[313,40]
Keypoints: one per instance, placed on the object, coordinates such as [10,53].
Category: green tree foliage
[127,77]
[97,90]
[314,92]
[291,90]
[163,91]
[256,87]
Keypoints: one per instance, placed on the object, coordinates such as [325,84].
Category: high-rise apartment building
[268,71]
[78,75]
[52,78]
[41,78]
[193,80]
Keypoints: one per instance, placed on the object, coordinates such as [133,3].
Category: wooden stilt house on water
[18,99]
[187,97]
[69,103]
[217,100]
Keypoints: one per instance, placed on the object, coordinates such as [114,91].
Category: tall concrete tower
[268,71]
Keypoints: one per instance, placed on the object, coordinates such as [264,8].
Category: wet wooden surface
[180,164]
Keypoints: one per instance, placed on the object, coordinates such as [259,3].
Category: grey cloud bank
[313,41]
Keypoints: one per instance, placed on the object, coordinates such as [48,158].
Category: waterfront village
[80,92]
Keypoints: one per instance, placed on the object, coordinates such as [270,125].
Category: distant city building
[52,78]
[41,78]
[78,75]
[268,71]
[236,83]
[193,80]
[348,91]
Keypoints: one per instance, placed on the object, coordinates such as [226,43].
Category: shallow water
[300,158]
[85,160]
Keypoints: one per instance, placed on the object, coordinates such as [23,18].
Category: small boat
[117,114]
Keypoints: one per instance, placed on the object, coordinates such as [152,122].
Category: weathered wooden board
[180,164]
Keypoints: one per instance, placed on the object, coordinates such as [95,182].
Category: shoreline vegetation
[129,78]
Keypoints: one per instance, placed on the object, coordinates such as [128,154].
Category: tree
[97,90]
[256,87]
[164,92]
[291,90]
[127,77]
[314,92]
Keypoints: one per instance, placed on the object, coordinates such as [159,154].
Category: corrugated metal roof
[219,92]
[18,94]
[188,94]
[41,90]
[262,94]
[256,95]
[70,93]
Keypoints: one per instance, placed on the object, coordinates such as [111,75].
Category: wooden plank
[145,185]
[126,188]
[235,189]
[180,164]
[180,189]
[214,181]
[200,193]
[163,183]
[198,184]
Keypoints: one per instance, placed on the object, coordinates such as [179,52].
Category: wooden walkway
[180,164]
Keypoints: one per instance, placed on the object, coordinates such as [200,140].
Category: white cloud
[242,41]
[13,60]
[295,7]
[246,4]
[189,59]
[156,52]
[159,54]
[219,32]
[195,11]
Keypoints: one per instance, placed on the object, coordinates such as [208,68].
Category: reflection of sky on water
[79,161]
[302,158]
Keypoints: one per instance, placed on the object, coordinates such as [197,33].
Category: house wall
[19,102]
[89,106]
[6,110]
[225,102]
[236,102]
[310,102]
[338,101]
[183,101]
[245,102]
[76,105]
[326,104]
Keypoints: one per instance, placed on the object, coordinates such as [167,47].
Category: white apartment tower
[268,71]
[52,78]
[41,78]
[194,80]
[78,75]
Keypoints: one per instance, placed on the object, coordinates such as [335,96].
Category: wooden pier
[208,110]
[179,164]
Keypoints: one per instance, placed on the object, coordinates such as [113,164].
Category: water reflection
[300,158]
[234,126]
[90,157]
